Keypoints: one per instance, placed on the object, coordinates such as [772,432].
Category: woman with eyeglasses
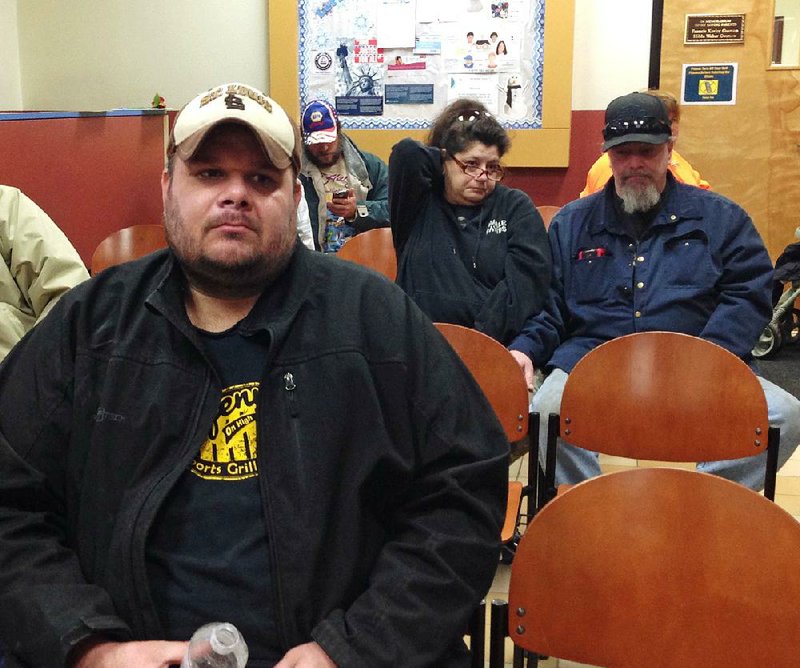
[470,251]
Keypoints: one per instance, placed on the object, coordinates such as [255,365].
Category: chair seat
[662,396]
[127,244]
[659,567]
[503,384]
[373,249]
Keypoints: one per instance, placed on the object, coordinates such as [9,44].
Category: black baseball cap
[636,117]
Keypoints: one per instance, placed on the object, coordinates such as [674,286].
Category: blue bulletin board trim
[45,115]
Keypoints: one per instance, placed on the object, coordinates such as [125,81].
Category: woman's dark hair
[497,50]
[466,121]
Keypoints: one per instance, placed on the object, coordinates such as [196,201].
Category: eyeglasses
[493,172]
[470,116]
[647,125]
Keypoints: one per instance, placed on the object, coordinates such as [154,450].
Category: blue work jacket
[701,268]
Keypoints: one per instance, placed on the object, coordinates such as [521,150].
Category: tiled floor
[787,496]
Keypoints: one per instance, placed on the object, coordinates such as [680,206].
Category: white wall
[10,84]
[790,11]
[611,51]
[102,54]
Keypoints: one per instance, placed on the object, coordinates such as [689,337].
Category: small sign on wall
[714,29]
[709,83]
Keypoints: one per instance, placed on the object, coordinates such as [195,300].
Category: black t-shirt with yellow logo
[208,553]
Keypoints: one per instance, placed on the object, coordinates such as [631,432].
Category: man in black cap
[648,253]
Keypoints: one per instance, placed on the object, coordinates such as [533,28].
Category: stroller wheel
[769,343]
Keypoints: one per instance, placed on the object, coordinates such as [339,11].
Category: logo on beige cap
[233,91]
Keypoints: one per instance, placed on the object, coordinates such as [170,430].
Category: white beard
[638,200]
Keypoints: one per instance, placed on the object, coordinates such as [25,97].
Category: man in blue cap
[346,189]
[648,253]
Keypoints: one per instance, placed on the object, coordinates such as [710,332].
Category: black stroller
[785,324]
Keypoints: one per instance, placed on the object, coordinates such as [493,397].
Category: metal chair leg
[498,631]
[548,485]
[770,475]
[477,636]
[534,420]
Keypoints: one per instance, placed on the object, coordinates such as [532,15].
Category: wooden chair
[663,396]
[547,211]
[373,249]
[503,383]
[127,244]
[658,567]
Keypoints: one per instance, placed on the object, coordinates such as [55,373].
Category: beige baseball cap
[237,103]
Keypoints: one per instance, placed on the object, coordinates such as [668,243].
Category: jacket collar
[274,312]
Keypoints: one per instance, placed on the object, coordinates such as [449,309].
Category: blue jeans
[573,464]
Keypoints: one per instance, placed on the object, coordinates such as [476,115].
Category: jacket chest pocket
[593,279]
[687,261]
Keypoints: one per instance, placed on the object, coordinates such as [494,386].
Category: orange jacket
[600,173]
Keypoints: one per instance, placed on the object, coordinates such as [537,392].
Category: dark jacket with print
[384,482]
[367,175]
[491,276]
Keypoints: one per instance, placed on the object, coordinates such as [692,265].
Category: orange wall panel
[92,174]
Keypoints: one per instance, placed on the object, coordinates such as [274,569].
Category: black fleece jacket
[383,476]
[491,273]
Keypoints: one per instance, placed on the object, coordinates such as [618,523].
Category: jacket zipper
[478,242]
[289,387]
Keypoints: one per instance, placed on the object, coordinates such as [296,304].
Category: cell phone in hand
[341,194]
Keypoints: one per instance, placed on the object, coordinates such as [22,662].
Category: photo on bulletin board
[394,64]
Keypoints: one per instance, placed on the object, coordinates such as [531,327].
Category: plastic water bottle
[216,645]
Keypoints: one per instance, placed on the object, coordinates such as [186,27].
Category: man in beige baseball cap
[237,103]
[239,429]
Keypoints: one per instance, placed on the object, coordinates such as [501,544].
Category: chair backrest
[497,373]
[373,249]
[667,396]
[616,572]
[503,383]
[127,244]
[547,211]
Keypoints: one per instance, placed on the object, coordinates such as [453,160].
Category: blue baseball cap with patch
[319,123]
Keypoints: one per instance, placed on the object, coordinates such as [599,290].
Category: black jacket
[491,276]
[384,482]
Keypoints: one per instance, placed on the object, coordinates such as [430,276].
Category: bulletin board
[390,66]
